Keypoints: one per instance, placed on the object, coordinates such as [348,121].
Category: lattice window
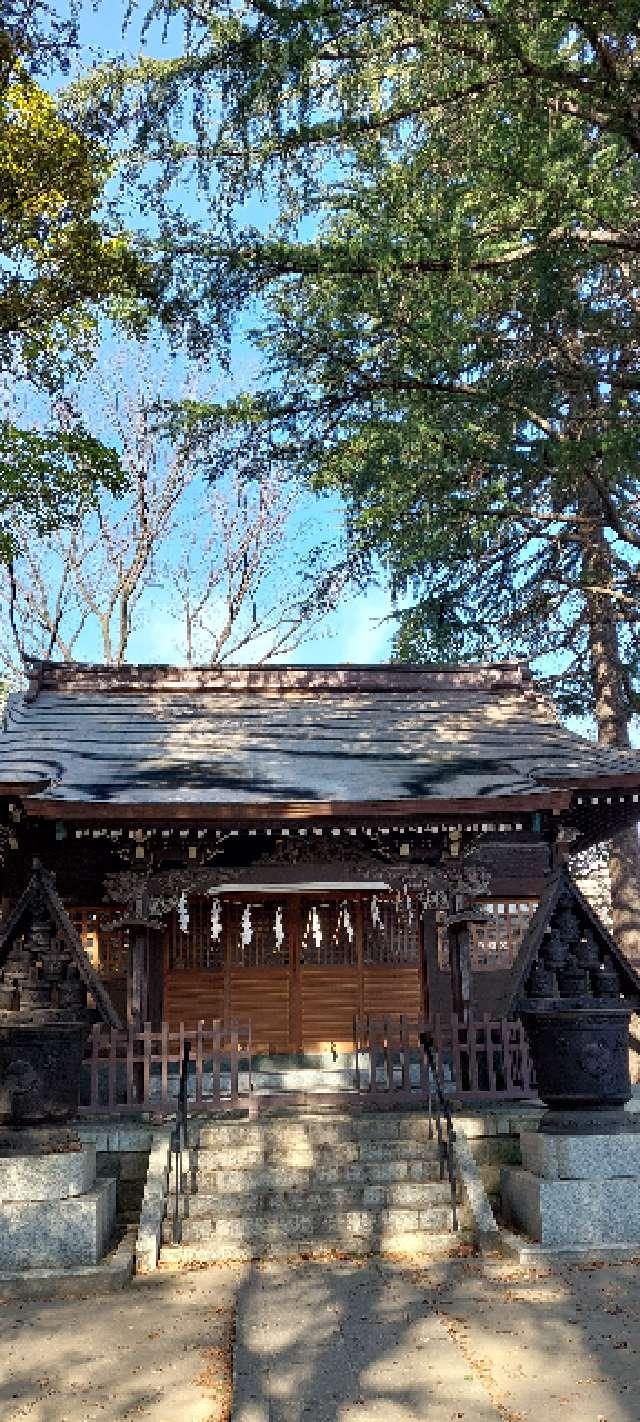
[106,949]
[329,935]
[258,935]
[494,944]
[391,937]
[197,947]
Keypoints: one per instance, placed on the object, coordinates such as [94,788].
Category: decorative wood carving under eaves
[450,883]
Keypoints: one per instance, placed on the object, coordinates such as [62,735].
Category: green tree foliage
[60,267]
[61,262]
[458,339]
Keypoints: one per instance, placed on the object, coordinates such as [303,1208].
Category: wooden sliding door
[299,967]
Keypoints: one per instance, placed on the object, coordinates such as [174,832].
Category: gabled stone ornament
[38,931]
[45,982]
[575,992]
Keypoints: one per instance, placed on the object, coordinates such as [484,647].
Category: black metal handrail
[446,1155]
[180,1141]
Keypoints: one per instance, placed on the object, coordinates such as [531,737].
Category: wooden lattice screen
[494,944]
[266,923]
[329,934]
[391,937]
[106,949]
[196,947]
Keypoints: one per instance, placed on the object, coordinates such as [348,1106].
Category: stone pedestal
[575,1190]
[54,1214]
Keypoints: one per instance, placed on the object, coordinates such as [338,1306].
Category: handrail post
[445,1146]
[181,1140]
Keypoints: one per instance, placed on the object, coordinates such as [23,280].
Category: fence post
[164,1066]
[216,1048]
[233,1084]
[147,1048]
[94,1088]
[405,1049]
[112,1068]
[199,1061]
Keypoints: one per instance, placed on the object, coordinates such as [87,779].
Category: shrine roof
[257,736]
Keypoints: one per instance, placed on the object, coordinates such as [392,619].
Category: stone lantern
[45,980]
[54,1212]
[579,1181]
[575,996]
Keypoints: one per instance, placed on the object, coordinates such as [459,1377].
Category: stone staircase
[310,1183]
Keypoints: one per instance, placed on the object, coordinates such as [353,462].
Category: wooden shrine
[294,846]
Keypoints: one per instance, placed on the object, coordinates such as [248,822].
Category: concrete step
[417,1244]
[75,1281]
[276,1176]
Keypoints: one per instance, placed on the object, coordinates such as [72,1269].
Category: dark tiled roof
[228,736]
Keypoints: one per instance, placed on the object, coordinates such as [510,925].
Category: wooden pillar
[155,979]
[359,932]
[460,968]
[460,930]
[138,996]
[294,931]
[137,986]
[225,910]
[428,950]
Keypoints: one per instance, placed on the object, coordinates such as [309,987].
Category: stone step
[320,1130]
[405,1194]
[256,1153]
[276,1176]
[417,1244]
[314,1224]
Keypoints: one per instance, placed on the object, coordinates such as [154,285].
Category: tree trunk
[612,717]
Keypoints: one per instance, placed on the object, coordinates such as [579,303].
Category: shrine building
[289,845]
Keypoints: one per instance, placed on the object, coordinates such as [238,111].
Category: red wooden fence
[138,1070]
[477,1057]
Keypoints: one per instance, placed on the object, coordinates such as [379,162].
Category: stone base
[49,1176]
[53,1212]
[569,1212]
[77,1280]
[38,1234]
[601,1157]
[575,1190]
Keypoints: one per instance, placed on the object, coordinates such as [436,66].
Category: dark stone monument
[44,1020]
[53,1211]
[576,998]
[579,1183]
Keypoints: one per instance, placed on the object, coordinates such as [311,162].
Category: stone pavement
[459,1340]
[380,1342]
[159,1350]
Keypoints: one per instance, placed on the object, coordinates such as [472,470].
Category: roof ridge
[279,677]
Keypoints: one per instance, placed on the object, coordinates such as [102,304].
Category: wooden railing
[478,1057]
[138,1071]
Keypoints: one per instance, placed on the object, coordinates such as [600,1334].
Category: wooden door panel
[330,999]
[261,996]
[191,995]
[392,990]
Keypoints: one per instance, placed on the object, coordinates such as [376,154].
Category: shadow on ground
[159,1350]
[336,1342]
